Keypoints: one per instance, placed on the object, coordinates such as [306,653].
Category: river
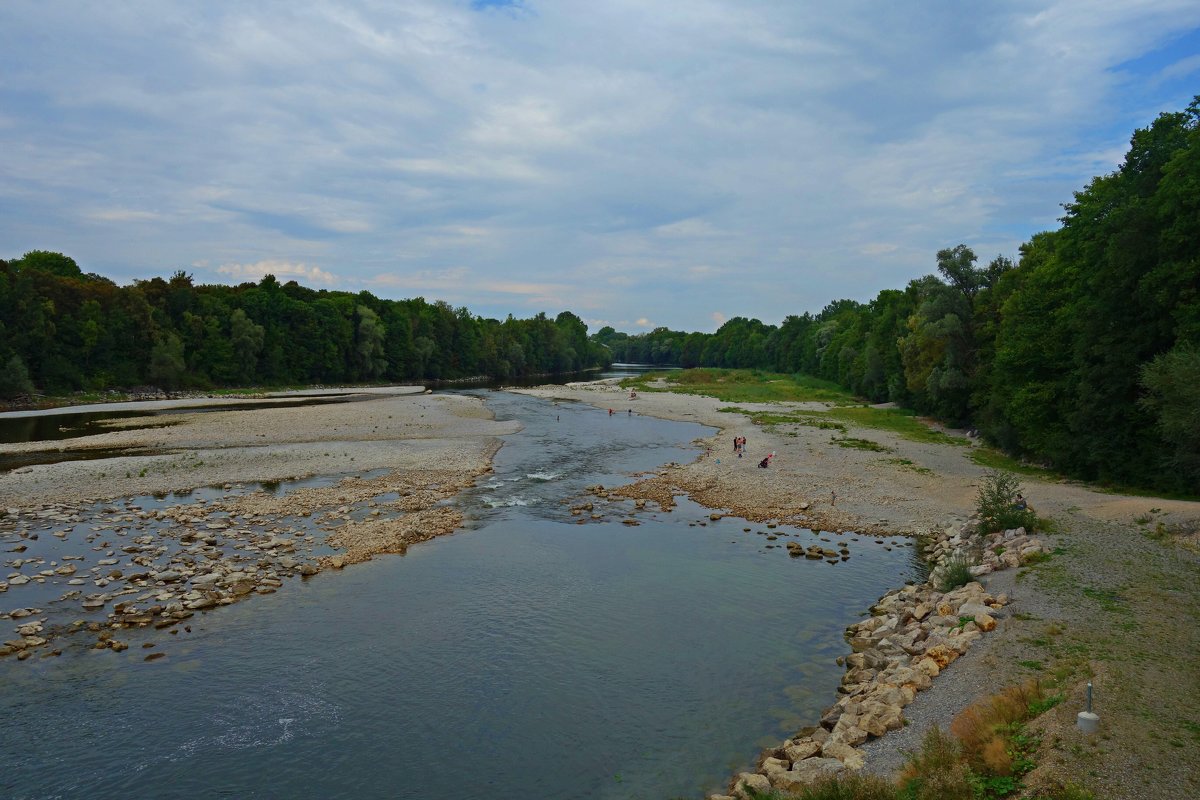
[526,656]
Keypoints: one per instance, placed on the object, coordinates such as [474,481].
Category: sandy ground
[872,490]
[1115,604]
[400,431]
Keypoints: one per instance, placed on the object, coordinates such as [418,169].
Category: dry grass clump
[985,728]
[937,771]
[985,758]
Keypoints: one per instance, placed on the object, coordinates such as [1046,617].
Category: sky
[641,163]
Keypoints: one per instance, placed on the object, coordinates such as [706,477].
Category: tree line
[1084,355]
[64,330]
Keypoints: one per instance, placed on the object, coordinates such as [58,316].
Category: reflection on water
[526,657]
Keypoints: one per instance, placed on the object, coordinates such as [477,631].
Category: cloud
[607,157]
[686,228]
[281,269]
[122,215]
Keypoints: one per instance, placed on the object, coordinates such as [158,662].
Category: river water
[527,656]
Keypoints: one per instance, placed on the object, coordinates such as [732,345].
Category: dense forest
[61,329]
[1084,355]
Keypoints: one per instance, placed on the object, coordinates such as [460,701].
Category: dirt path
[1116,604]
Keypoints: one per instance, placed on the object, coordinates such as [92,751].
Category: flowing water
[527,656]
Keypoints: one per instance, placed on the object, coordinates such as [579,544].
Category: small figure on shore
[631,412]
[1020,503]
[832,497]
[766,462]
[610,412]
[632,395]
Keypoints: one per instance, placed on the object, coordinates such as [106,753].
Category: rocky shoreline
[912,635]
[131,567]
[104,546]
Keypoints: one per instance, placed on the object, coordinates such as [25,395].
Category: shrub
[850,787]
[996,496]
[954,572]
[14,378]
[936,771]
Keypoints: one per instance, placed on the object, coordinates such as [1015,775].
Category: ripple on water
[538,657]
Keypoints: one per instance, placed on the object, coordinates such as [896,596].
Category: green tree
[50,263]
[166,362]
[370,338]
[957,264]
[14,378]
[1172,384]
[246,339]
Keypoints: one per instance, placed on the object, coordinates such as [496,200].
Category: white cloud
[611,157]
[284,270]
[1182,68]
[686,228]
[121,215]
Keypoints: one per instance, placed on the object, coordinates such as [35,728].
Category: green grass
[954,572]
[743,386]
[992,458]
[905,463]
[861,444]
[900,421]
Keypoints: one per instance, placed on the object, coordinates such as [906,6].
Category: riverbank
[258,444]
[95,536]
[1122,566]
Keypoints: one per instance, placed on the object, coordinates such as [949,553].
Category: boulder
[752,780]
[801,749]
[850,757]
[805,773]
[973,609]
[943,655]
[928,666]
[881,718]
[848,732]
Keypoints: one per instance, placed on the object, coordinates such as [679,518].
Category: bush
[985,727]
[996,508]
[14,378]
[851,787]
[954,572]
[936,771]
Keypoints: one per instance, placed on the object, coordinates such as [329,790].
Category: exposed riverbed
[527,655]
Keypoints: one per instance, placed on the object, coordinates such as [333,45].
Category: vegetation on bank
[990,749]
[742,386]
[1084,356]
[62,330]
